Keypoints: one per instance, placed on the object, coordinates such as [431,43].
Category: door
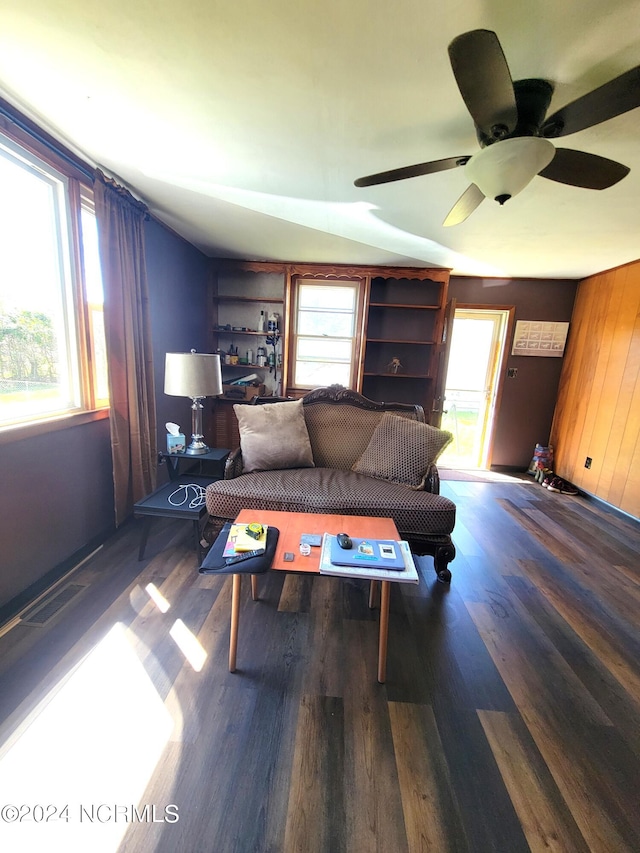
[472,385]
[442,364]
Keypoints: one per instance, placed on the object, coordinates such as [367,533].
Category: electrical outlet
[587,462]
[512,372]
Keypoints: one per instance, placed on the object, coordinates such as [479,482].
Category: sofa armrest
[233,466]
[432,483]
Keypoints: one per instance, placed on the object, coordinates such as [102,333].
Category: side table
[174,501]
[214,458]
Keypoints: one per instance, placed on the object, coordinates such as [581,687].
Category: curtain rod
[44,138]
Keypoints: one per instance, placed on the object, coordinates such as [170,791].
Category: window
[51,335]
[325,334]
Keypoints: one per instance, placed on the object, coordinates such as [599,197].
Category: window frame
[297,281]
[41,151]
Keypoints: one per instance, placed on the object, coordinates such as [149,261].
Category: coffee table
[291,526]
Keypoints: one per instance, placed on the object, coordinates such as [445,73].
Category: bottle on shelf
[262,323]
[273,322]
[249,356]
[262,357]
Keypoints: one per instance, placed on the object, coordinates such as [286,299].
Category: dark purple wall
[528,401]
[178,276]
[56,495]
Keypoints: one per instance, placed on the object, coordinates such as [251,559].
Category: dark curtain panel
[120,220]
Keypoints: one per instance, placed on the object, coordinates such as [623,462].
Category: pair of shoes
[549,479]
[562,486]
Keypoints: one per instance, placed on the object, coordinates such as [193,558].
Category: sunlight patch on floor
[93,741]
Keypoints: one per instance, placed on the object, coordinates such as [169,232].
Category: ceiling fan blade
[465,205]
[584,170]
[616,97]
[484,80]
[412,171]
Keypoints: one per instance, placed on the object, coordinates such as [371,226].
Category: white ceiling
[243,125]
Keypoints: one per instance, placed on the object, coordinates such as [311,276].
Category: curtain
[120,220]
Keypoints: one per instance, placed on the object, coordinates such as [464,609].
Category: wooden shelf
[254,299]
[238,332]
[399,342]
[246,366]
[398,375]
[404,305]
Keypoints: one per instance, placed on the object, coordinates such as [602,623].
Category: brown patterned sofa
[344,431]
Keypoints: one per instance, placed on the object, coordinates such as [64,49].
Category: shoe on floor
[548,480]
[568,488]
[562,486]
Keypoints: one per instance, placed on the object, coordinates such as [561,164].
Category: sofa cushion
[339,434]
[336,492]
[274,436]
[402,451]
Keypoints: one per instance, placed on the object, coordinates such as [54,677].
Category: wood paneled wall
[598,408]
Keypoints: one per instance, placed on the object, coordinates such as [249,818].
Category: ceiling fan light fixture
[504,169]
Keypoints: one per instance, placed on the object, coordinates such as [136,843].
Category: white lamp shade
[192,374]
[505,168]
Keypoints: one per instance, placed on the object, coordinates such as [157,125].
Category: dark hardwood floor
[510,720]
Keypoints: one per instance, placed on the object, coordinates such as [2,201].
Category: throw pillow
[274,436]
[402,451]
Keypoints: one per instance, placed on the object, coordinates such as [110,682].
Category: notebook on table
[374,553]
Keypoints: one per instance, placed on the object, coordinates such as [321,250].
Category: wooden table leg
[384,630]
[373,588]
[235,616]
[254,587]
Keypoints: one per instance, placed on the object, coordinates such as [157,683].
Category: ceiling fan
[514,134]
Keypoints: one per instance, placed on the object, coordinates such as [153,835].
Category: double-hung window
[325,333]
[52,359]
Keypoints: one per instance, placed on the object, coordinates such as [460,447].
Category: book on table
[239,540]
[376,553]
[408,574]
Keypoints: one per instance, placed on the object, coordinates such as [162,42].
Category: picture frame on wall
[540,338]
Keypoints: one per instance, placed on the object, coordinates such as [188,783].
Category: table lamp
[196,375]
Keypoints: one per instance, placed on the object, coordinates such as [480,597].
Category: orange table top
[293,524]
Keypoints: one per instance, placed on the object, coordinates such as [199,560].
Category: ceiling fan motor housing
[533,97]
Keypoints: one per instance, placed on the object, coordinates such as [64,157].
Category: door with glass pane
[472,386]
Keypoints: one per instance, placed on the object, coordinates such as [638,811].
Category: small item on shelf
[262,357]
[249,356]
[394,366]
[273,322]
[262,323]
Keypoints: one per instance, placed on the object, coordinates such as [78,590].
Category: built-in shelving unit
[403,318]
[239,291]
[404,328]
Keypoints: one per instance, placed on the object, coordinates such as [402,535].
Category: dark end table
[174,501]
[214,460]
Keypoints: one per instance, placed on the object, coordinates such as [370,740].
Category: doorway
[472,385]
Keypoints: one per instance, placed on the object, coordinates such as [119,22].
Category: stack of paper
[239,540]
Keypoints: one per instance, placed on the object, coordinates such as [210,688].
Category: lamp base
[196,447]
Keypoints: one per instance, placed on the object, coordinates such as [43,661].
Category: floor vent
[45,611]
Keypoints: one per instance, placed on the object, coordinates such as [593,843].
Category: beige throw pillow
[402,451]
[274,436]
